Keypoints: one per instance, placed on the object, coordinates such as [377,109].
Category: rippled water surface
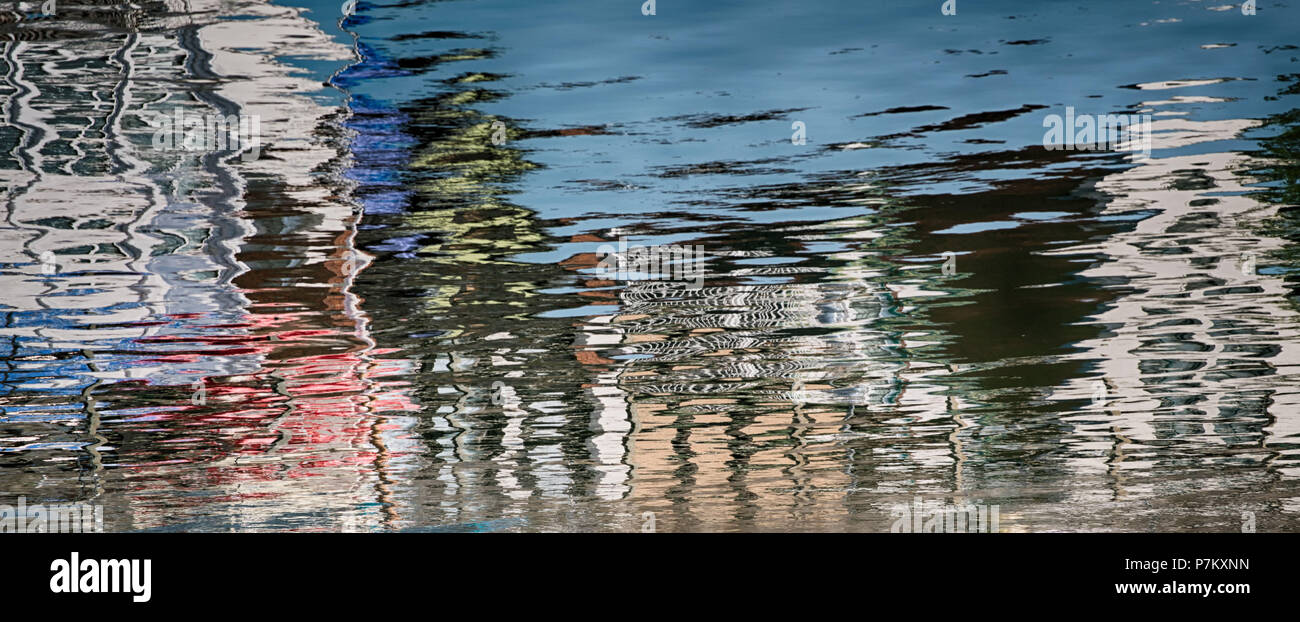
[392,317]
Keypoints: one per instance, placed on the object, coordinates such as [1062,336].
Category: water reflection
[1198,350]
[395,322]
[196,354]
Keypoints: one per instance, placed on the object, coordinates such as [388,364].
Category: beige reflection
[679,387]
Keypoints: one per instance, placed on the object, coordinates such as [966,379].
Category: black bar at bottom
[385,574]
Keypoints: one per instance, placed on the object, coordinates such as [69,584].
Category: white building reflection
[1200,348]
[193,268]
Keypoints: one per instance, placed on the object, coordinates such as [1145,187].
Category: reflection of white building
[126,249]
[139,233]
[1200,351]
[151,243]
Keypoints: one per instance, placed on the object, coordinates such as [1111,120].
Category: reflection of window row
[87,197]
[779,397]
[494,447]
[1200,350]
[175,288]
[831,305]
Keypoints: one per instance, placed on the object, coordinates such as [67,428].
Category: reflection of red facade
[317,407]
